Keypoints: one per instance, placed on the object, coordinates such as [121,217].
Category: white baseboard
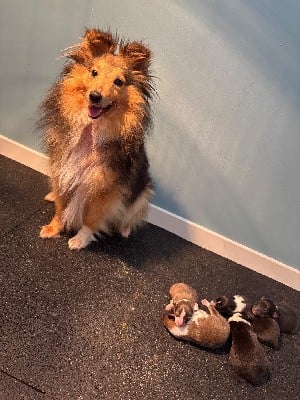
[24,155]
[225,247]
[173,223]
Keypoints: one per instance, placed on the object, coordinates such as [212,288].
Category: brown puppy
[247,356]
[266,329]
[283,315]
[183,302]
[207,330]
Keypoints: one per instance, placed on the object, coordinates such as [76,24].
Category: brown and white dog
[95,118]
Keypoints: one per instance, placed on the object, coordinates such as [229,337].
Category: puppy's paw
[49,231]
[83,237]
[205,302]
[50,196]
[169,306]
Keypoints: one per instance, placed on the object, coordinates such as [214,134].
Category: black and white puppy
[227,306]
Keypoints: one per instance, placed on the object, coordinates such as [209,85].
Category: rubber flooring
[87,325]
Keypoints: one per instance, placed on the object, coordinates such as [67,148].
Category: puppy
[207,330]
[247,356]
[266,329]
[283,315]
[95,119]
[227,306]
[183,302]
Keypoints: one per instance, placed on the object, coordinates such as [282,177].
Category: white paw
[237,317]
[83,237]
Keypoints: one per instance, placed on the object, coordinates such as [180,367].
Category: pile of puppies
[248,324]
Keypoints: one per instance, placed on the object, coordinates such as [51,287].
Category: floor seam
[18,225]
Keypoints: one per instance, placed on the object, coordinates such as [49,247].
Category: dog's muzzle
[95,97]
[95,109]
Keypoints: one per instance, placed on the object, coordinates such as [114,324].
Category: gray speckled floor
[87,325]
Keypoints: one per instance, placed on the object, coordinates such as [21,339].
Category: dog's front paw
[83,237]
[76,243]
[49,231]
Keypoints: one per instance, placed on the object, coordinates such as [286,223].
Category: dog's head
[265,308]
[106,74]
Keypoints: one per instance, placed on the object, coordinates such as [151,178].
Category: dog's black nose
[95,97]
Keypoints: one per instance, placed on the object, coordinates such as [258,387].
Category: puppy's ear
[138,55]
[94,44]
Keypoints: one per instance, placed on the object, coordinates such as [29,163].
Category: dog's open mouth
[95,111]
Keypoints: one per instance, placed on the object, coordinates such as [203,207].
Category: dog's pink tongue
[94,111]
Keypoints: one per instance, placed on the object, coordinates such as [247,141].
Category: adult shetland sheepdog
[95,118]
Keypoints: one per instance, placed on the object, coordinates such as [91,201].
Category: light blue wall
[225,148]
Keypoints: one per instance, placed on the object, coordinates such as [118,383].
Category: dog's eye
[118,82]
[94,72]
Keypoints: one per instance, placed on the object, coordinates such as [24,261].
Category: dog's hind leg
[96,211]
[136,213]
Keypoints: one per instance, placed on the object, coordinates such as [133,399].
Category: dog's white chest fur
[75,177]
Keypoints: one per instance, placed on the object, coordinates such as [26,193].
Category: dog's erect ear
[137,54]
[94,44]
[99,42]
